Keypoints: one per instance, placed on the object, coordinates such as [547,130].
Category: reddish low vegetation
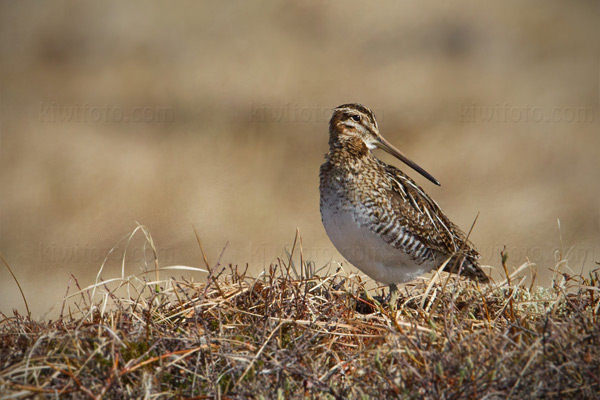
[294,332]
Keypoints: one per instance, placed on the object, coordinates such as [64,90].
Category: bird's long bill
[387,146]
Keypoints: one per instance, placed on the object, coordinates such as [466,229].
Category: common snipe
[377,217]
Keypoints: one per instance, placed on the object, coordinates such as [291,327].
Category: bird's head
[350,122]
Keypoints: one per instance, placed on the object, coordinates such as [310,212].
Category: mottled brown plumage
[379,218]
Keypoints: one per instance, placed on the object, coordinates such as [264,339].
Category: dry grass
[296,332]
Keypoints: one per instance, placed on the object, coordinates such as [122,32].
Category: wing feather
[423,220]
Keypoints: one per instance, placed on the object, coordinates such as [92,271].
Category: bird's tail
[465,266]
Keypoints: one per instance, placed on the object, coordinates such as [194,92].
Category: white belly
[366,250]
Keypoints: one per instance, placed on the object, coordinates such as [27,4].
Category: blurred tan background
[214,115]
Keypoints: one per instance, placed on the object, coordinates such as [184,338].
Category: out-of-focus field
[214,116]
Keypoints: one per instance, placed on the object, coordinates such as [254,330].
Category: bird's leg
[393,297]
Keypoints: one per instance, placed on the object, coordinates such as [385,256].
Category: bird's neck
[348,146]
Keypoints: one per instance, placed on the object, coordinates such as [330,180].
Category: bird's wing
[423,218]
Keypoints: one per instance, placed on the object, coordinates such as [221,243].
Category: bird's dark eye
[356,118]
